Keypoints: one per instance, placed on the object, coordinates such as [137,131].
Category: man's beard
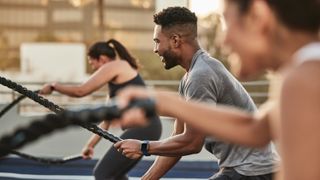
[170,59]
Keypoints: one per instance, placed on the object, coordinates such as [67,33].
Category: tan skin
[106,70]
[162,163]
[290,117]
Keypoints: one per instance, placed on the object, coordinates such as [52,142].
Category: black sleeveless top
[113,88]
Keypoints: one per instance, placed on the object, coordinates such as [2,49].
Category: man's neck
[187,56]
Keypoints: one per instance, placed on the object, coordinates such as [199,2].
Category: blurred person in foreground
[115,66]
[277,35]
[205,80]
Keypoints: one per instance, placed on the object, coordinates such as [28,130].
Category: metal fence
[257,90]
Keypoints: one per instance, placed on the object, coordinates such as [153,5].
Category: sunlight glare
[204,7]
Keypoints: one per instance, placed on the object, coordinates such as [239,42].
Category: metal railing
[257,90]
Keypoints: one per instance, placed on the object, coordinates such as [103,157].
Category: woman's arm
[87,151]
[103,75]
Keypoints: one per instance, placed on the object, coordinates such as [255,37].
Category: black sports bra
[113,88]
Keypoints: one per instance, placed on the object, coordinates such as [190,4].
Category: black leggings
[115,166]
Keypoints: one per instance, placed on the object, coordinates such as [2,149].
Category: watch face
[144,148]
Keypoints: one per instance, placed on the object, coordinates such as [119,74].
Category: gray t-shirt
[209,81]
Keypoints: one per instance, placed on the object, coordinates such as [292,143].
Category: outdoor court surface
[13,168]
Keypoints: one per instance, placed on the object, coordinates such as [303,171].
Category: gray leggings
[231,174]
[115,166]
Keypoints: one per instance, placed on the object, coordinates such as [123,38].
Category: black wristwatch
[144,148]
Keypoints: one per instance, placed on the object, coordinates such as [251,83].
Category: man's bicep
[194,136]
[202,91]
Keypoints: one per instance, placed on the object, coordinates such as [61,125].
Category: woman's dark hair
[105,48]
[296,14]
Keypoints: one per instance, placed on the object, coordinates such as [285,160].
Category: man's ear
[176,40]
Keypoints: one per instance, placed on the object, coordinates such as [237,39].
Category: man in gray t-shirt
[206,79]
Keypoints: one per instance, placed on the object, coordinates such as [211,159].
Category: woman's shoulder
[117,65]
[308,69]
[304,76]
[121,63]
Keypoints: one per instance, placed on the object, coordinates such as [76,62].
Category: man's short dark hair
[178,18]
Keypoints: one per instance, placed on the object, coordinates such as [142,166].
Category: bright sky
[204,7]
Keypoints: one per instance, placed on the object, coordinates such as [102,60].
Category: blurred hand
[125,95]
[129,148]
[135,116]
[87,152]
[46,89]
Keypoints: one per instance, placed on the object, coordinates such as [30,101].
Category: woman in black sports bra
[118,73]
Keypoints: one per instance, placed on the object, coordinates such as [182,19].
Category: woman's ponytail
[123,53]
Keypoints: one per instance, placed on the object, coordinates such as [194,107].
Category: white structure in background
[204,7]
[200,7]
[53,62]
[161,4]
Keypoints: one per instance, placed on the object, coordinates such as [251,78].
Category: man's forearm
[160,167]
[178,145]
[163,164]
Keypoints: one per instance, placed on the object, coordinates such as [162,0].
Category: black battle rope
[51,122]
[55,108]
[34,96]
[31,157]
[44,126]
[13,103]
[48,160]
